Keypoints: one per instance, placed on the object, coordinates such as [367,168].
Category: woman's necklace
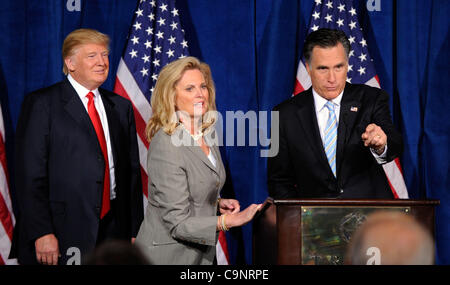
[196,136]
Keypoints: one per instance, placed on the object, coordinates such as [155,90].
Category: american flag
[7,220]
[155,39]
[340,14]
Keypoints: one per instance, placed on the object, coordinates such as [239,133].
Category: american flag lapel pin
[354,109]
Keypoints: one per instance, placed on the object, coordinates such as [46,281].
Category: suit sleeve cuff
[382,158]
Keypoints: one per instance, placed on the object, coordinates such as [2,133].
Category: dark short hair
[325,38]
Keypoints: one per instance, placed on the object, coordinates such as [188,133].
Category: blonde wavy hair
[164,94]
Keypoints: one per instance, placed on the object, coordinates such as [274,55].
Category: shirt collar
[80,89]
[320,102]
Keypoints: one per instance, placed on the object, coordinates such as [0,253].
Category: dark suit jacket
[60,169]
[301,169]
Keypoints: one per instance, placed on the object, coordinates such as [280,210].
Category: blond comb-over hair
[80,37]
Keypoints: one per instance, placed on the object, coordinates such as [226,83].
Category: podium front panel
[316,231]
[326,231]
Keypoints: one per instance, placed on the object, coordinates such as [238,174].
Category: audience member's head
[390,238]
[116,252]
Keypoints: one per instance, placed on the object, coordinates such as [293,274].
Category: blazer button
[342,191]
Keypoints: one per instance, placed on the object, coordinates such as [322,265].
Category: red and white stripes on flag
[222,250]
[127,87]
[7,220]
[392,169]
[156,38]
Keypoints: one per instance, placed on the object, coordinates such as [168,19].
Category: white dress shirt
[322,114]
[211,158]
[82,92]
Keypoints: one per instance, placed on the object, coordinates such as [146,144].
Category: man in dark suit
[335,136]
[78,171]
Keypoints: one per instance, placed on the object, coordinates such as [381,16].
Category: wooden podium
[315,231]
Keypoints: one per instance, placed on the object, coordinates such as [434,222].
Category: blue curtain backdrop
[253,47]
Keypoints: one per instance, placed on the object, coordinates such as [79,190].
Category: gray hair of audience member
[325,38]
[400,239]
[116,252]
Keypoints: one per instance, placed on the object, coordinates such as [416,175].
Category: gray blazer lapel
[219,169]
[193,146]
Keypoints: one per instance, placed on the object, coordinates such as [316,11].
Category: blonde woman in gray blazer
[186,172]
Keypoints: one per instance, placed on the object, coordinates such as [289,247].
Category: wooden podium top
[355,202]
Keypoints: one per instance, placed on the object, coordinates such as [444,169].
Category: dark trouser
[108,228]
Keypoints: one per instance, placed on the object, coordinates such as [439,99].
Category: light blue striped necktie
[330,139]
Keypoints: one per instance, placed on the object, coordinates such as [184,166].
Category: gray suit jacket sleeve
[171,177]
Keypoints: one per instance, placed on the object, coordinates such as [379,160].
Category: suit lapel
[75,108]
[218,169]
[113,122]
[308,120]
[214,147]
[193,147]
[350,108]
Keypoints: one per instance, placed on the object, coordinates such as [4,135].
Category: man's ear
[307,68]
[69,61]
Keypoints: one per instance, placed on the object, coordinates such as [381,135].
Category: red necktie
[95,118]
